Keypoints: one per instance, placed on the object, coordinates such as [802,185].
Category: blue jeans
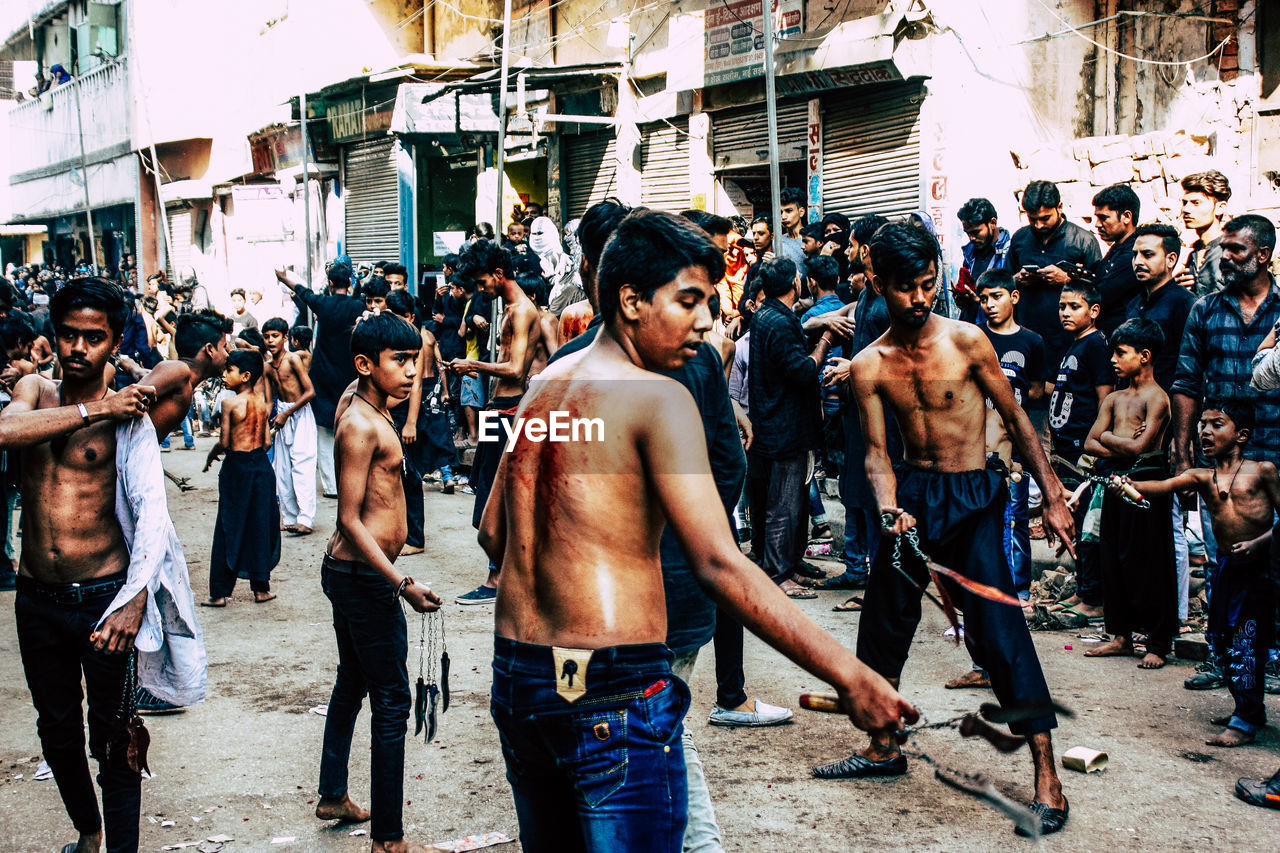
[817,512]
[861,532]
[1017,535]
[372,653]
[605,772]
[188,440]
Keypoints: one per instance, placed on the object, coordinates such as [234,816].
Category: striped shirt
[1216,360]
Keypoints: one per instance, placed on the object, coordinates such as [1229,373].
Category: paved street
[244,763]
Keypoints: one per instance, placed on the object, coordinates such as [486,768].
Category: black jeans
[779,491]
[53,640]
[372,652]
[730,679]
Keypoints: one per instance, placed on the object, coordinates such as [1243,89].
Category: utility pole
[306,183]
[84,180]
[501,158]
[771,108]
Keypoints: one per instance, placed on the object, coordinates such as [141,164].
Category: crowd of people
[1124,405]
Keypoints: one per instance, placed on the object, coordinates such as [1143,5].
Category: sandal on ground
[852,604]
[1051,819]
[214,602]
[270,597]
[858,767]
[808,570]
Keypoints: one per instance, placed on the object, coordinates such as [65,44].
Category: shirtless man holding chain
[520,340]
[587,708]
[933,374]
[75,559]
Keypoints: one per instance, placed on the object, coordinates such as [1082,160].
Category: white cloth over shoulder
[1266,370]
[171,657]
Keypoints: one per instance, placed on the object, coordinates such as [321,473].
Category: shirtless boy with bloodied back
[75,560]
[365,588]
[489,267]
[587,708]
[934,375]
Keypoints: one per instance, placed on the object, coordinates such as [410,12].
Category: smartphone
[1030,268]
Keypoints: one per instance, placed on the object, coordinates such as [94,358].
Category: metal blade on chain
[980,786]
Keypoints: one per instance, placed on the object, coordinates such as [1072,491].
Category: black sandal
[1051,820]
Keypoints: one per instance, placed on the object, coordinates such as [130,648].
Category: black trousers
[53,640]
[960,520]
[731,680]
[1140,571]
[779,491]
[488,454]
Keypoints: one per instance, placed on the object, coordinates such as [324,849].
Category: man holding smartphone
[1043,253]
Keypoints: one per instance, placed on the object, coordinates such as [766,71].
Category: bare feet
[301,530]
[1117,647]
[215,602]
[1151,661]
[972,678]
[1231,737]
[263,597]
[342,810]
[410,550]
[398,846]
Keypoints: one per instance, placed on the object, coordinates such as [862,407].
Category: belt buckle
[76,594]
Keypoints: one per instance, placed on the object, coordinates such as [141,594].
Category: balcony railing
[44,131]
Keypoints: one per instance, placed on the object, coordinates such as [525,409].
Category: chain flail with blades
[433,675]
[1126,491]
[969,725]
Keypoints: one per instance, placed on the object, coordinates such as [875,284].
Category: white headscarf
[544,238]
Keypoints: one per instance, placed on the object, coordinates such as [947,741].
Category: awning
[185,190]
[14,230]
[441,108]
[535,78]
[876,49]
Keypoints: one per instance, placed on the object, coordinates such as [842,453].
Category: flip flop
[210,603]
[271,597]
[851,605]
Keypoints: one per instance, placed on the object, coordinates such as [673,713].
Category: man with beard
[987,249]
[1115,218]
[935,375]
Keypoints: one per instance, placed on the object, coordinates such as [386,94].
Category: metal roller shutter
[664,169]
[871,152]
[372,211]
[741,137]
[591,169]
[179,250]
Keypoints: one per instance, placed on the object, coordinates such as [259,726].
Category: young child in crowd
[246,536]
[362,583]
[300,342]
[1084,379]
[296,438]
[375,292]
[1022,358]
[1242,497]
[427,441]
[1135,546]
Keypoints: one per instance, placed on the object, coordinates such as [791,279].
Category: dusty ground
[244,763]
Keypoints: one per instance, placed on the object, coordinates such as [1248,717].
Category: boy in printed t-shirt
[1022,358]
[1085,377]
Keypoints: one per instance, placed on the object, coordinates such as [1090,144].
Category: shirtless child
[587,708]
[246,535]
[1242,497]
[362,583]
[294,425]
[935,375]
[75,560]
[1135,546]
[300,343]
[488,266]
